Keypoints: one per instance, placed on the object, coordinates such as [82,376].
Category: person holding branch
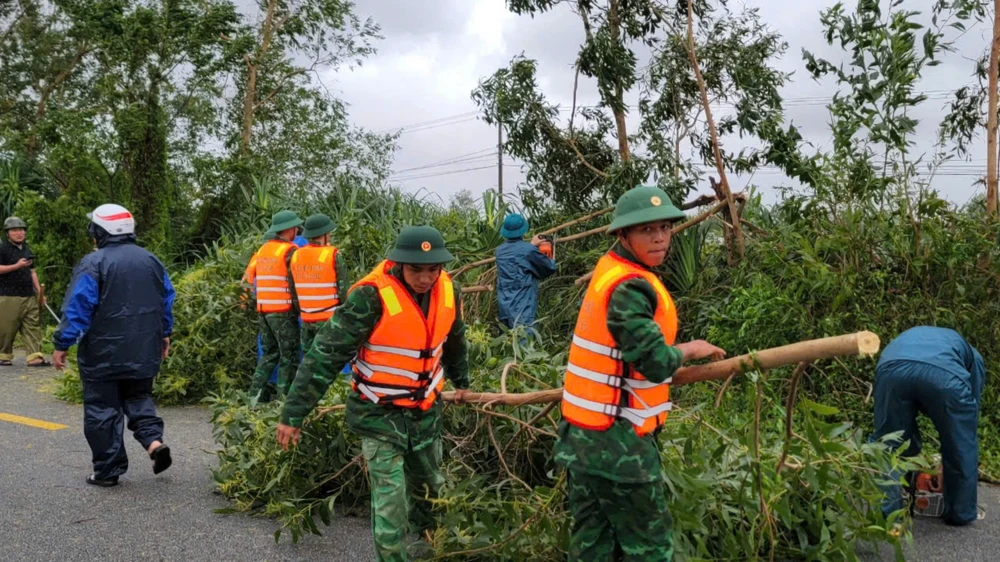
[617,390]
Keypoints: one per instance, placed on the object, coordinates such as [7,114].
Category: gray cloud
[436,51]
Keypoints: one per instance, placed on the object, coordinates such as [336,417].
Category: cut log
[477,289]
[860,344]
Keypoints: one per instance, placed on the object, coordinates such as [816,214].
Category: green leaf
[819,409]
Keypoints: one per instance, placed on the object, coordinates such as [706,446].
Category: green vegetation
[860,242]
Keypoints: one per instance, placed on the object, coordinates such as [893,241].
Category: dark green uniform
[279,333]
[310,329]
[616,490]
[401,445]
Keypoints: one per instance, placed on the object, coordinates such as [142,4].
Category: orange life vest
[273,292]
[249,277]
[400,364]
[315,275]
[596,374]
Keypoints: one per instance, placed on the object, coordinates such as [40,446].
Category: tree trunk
[735,253]
[860,344]
[43,99]
[250,96]
[991,123]
[618,107]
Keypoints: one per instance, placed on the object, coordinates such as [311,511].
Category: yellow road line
[41,424]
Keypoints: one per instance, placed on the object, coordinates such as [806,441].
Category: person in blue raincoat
[936,372]
[119,309]
[520,267]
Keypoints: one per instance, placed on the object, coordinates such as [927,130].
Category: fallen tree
[859,344]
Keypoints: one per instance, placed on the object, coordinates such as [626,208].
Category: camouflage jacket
[337,343]
[619,454]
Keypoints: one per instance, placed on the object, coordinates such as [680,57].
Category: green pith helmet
[642,204]
[14,222]
[316,226]
[420,245]
[283,220]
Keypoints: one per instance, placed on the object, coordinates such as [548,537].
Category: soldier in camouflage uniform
[617,494]
[279,328]
[317,231]
[402,445]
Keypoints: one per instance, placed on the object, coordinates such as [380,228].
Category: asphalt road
[48,513]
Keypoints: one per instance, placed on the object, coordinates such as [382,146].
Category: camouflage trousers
[309,331]
[280,339]
[402,482]
[617,521]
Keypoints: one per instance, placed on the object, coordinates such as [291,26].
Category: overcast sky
[436,51]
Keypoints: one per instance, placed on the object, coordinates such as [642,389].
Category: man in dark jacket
[520,267]
[119,309]
[936,372]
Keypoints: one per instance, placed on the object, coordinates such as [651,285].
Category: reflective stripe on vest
[596,375]
[273,291]
[314,272]
[400,364]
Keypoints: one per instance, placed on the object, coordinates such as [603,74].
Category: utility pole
[500,158]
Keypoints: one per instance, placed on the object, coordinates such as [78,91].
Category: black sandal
[5,363]
[103,483]
[42,363]
[161,459]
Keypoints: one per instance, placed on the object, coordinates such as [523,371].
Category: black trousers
[105,405]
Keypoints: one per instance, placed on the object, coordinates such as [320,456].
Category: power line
[456,160]
[433,123]
[437,174]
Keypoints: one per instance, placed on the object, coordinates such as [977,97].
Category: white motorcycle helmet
[114,219]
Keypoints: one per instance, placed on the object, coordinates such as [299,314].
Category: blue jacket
[520,266]
[939,347]
[118,307]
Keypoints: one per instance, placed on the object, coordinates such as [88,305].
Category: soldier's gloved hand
[288,434]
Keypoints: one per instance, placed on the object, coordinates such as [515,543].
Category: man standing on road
[20,292]
[520,267]
[119,308]
[617,390]
[277,318]
[404,322]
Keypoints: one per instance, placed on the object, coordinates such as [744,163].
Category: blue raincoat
[118,307]
[936,372]
[520,267]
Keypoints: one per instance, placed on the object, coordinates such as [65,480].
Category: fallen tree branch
[575,222]
[859,344]
[591,232]
[534,516]
[793,389]
[725,192]
[503,376]
[701,200]
[477,289]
